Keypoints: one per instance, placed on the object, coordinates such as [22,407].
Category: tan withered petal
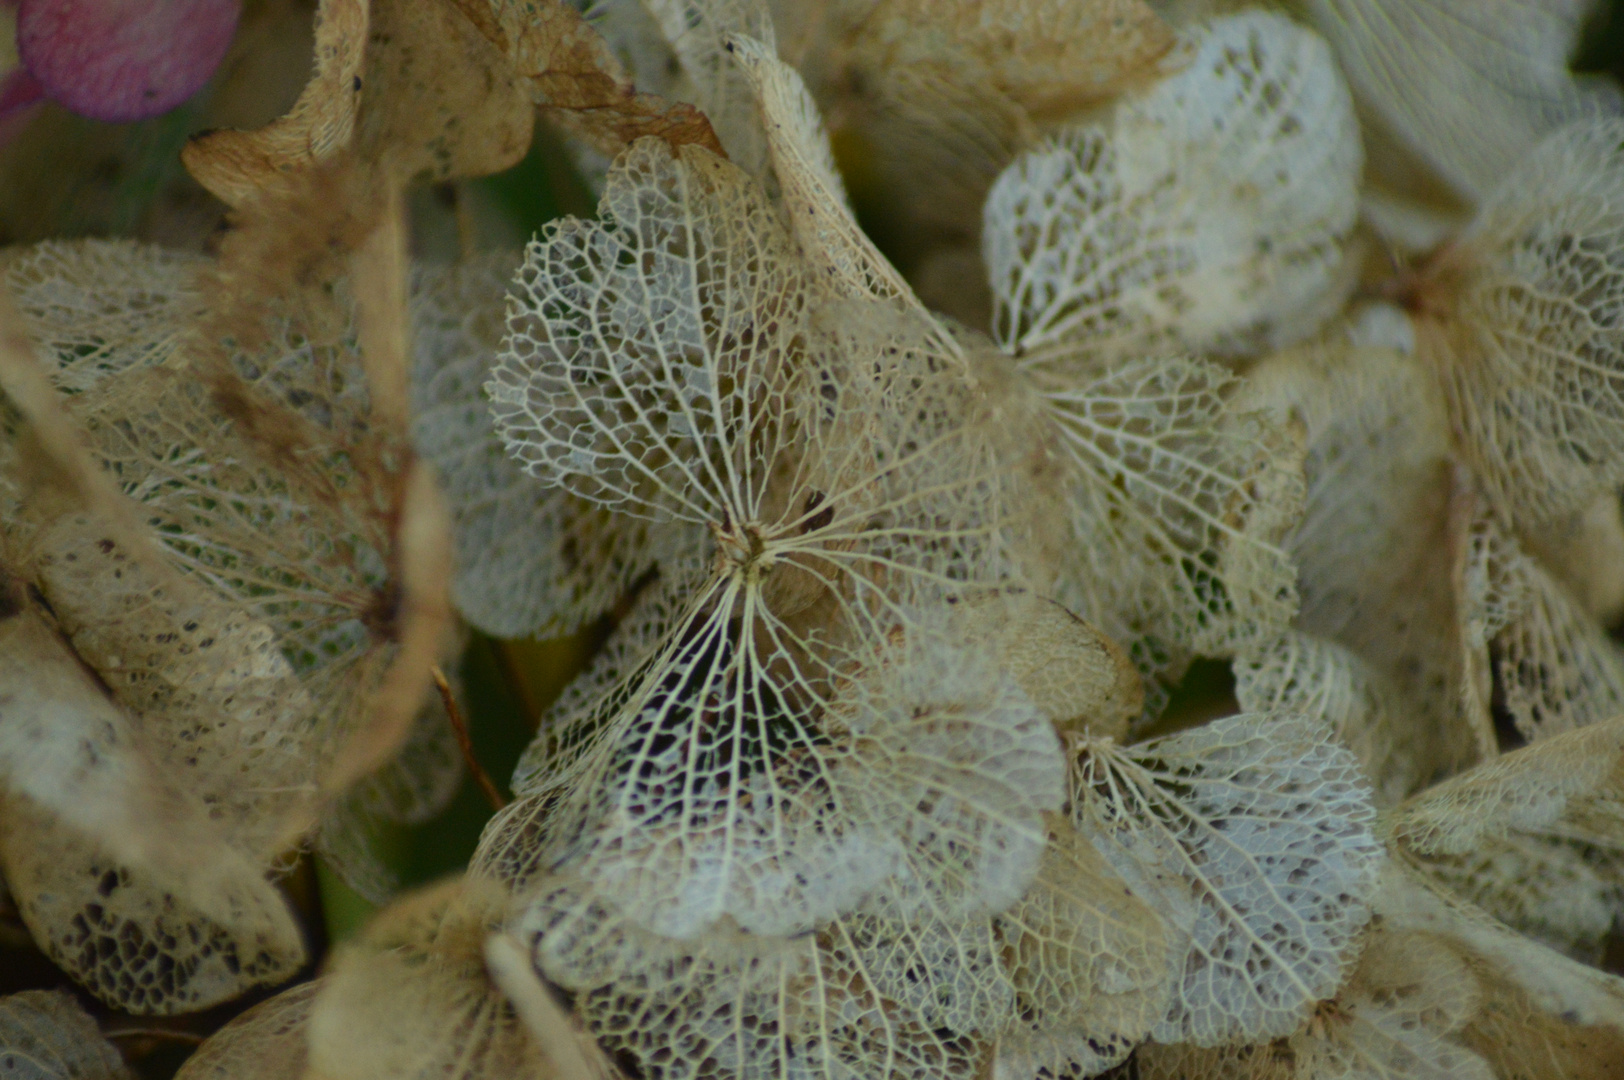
[1540,1014]
[412,85]
[96,307]
[941,96]
[45,1035]
[1303,674]
[1392,1020]
[1518,321]
[728,1004]
[268,1042]
[1209,212]
[115,865]
[1376,549]
[531,559]
[1252,838]
[1078,678]
[411,996]
[574,76]
[236,165]
[1551,663]
[1470,88]
[1091,963]
[1535,837]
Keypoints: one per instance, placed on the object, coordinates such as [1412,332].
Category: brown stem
[464,743]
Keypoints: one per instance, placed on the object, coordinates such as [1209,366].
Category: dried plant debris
[1376,552]
[268,1042]
[411,997]
[1535,837]
[1210,212]
[45,1035]
[1252,837]
[1519,320]
[1468,89]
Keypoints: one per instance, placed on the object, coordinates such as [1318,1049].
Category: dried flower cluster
[1285,336]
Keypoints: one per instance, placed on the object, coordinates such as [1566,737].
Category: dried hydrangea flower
[1534,837]
[45,1035]
[1376,552]
[1207,213]
[1519,320]
[1252,837]
[1470,89]
[1393,1018]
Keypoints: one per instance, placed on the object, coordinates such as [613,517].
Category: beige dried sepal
[1517,320]
[530,560]
[268,1042]
[1535,836]
[1209,213]
[1156,499]
[45,1035]
[574,76]
[95,307]
[1553,665]
[1091,964]
[1384,523]
[839,253]
[1078,678]
[409,86]
[1469,88]
[1302,674]
[411,996]
[1251,837]
[1541,1015]
[1393,1020]
[731,1004]
[697,32]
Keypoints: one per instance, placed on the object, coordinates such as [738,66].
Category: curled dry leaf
[1519,321]
[45,1035]
[1210,212]
[1252,838]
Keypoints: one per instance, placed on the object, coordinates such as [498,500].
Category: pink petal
[122,60]
[18,89]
